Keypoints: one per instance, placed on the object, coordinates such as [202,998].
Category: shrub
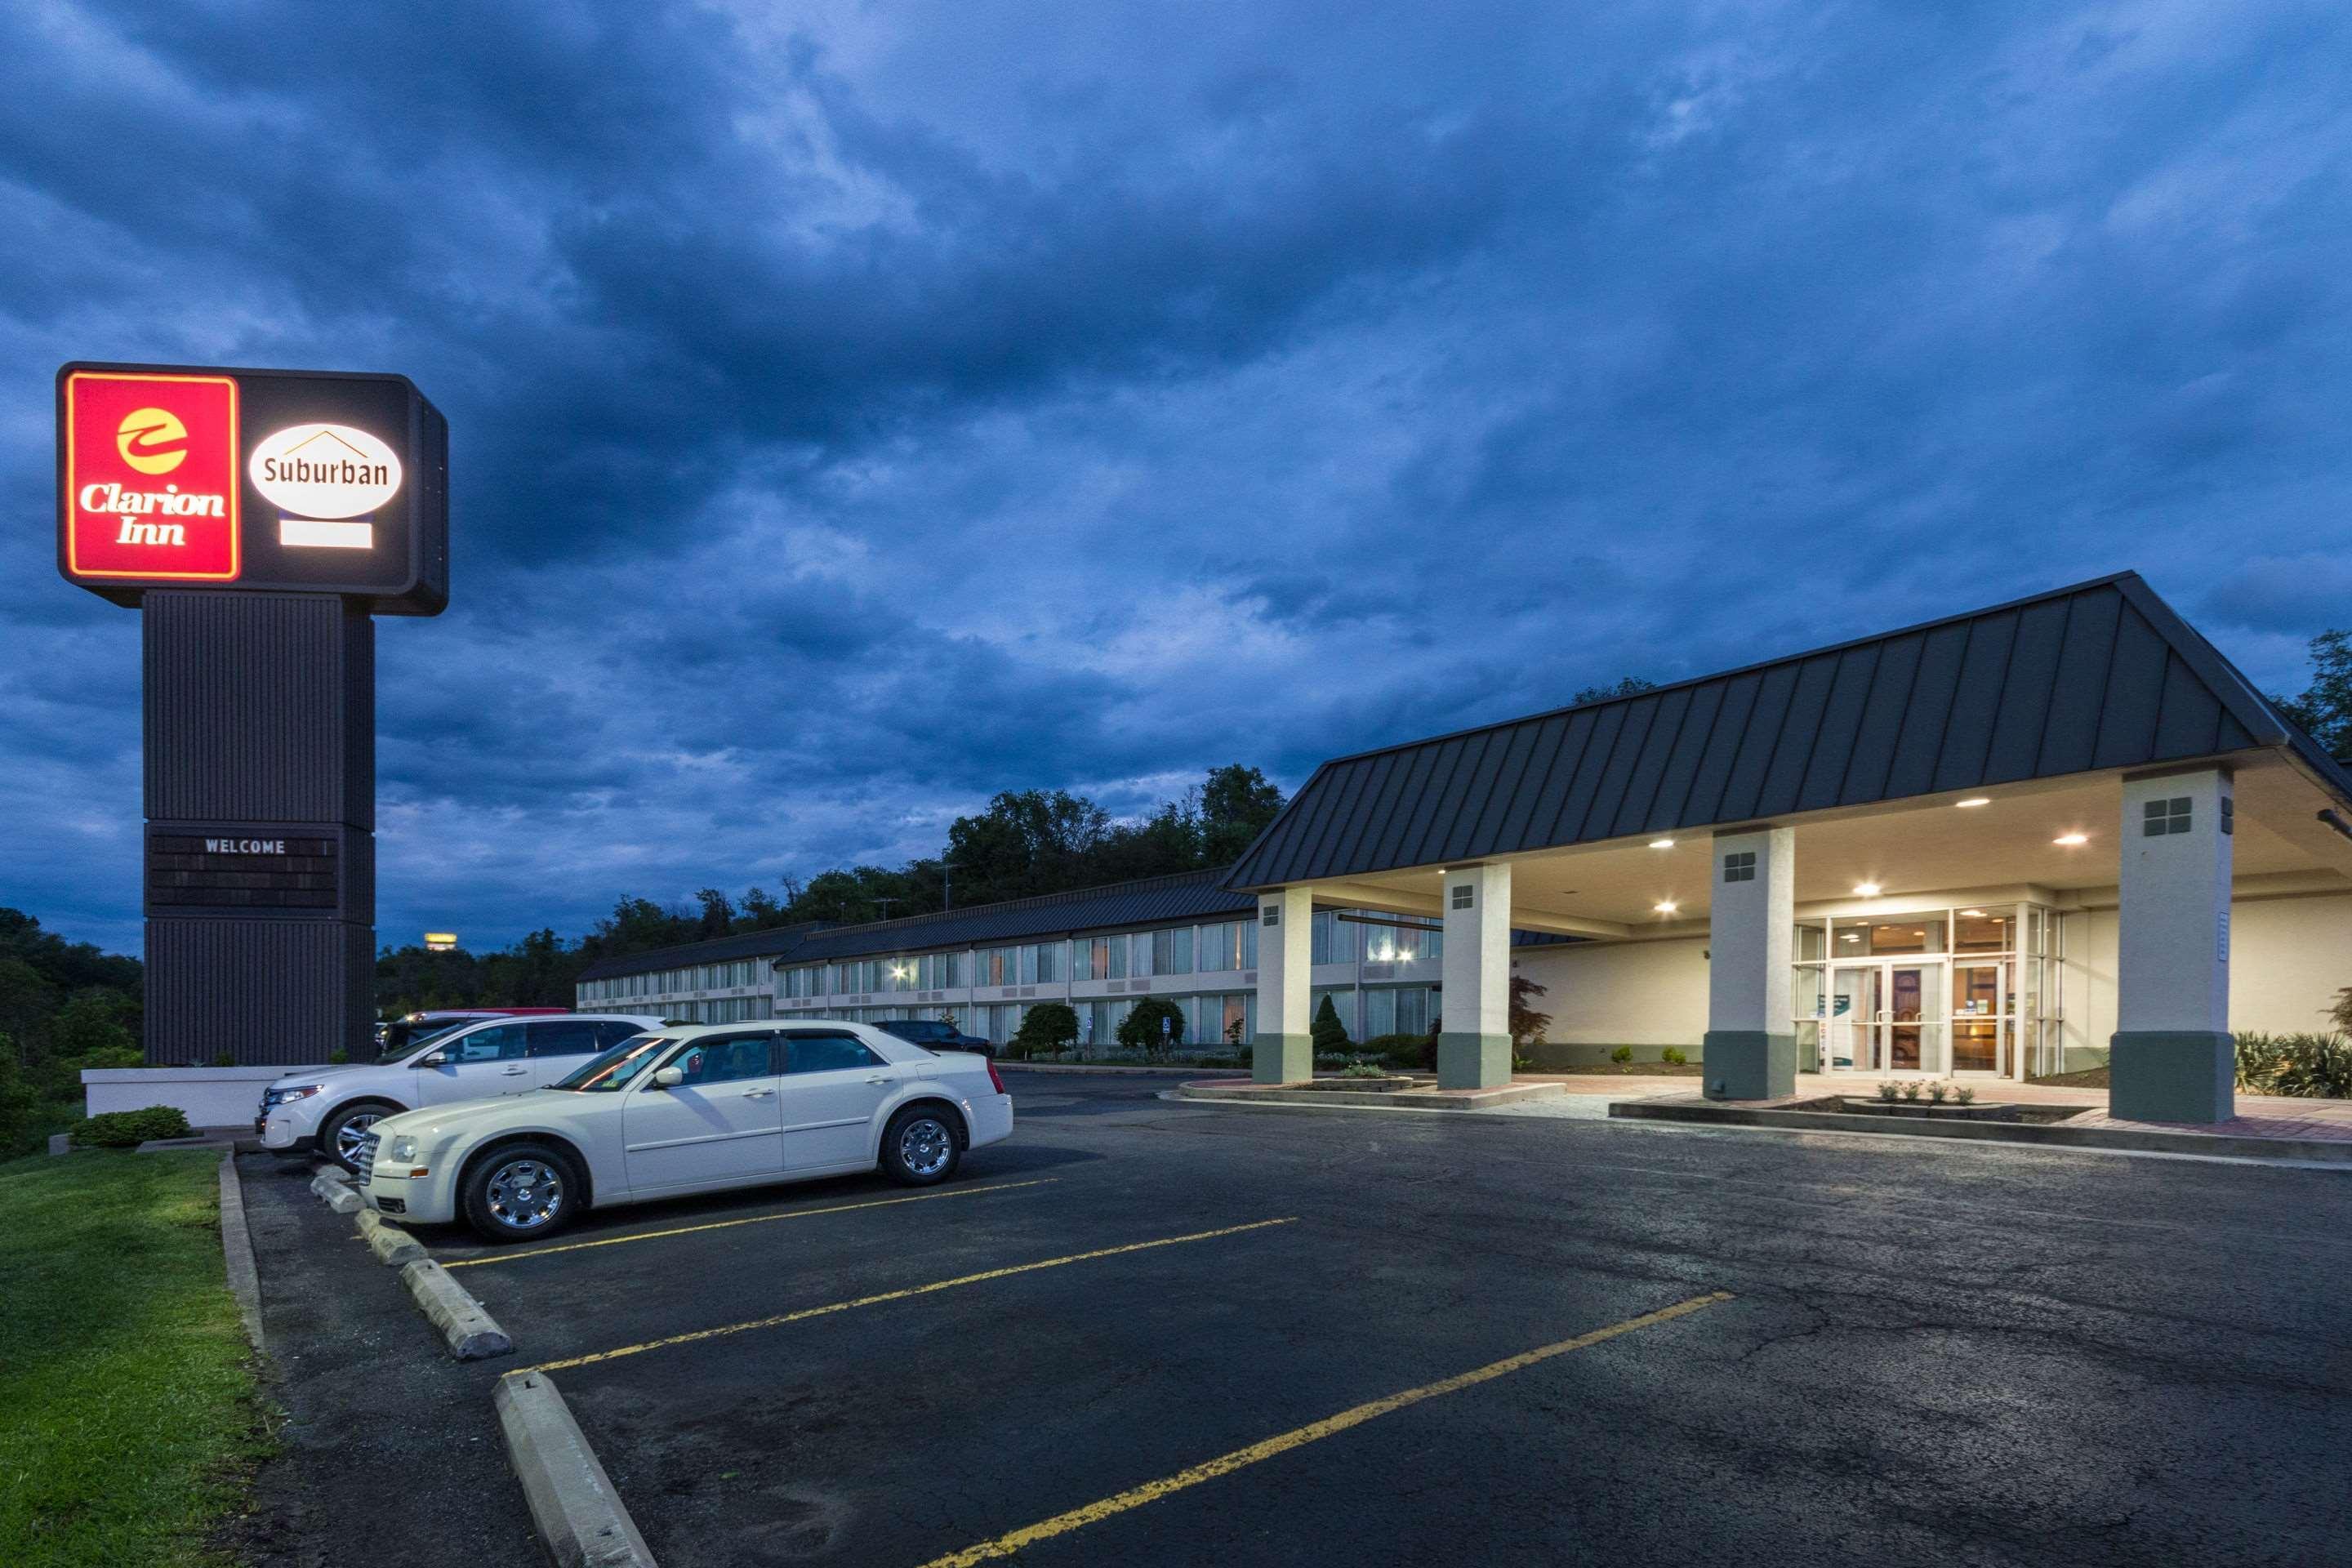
[1327,1033]
[1965,1093]
[1621,1054]
[1362,1068]
[129,1129]
[2313,1066]
[1937,1091]
[1140,1030]
[1887,1091]
[1408,1051]
[1672,1056]
[1527,1025]
[2342,1012]
[1911,1089]
[1048,1028]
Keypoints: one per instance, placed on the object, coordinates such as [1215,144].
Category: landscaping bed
[129,1419]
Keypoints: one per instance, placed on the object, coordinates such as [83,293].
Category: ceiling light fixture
[1661,844]
[2071,840]
[1865,889]
[1974,800]
[1974,914]
[1667,908]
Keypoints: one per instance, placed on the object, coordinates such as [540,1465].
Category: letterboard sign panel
[287,481]
[263,870]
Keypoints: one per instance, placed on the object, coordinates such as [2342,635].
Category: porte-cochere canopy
[2099,676]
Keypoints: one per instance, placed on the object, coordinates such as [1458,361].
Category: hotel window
[1334,940]
[1050,962]
[1221,947]
[1171,951]
[1138,952]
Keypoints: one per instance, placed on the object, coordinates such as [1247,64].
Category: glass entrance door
[1984,1022]
[1884,1017]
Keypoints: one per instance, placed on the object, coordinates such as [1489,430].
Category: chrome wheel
[524,1194]
[351,1136]
[924,1146]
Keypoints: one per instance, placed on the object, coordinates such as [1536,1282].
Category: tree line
[1026,842]
[64,1006]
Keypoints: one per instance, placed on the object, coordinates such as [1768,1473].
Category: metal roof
[2100,675]
[717,950]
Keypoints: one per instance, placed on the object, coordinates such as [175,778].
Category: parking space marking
[1313,1432]
[754,1219]
[912,1290]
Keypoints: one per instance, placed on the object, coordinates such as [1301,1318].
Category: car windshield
[615,1067]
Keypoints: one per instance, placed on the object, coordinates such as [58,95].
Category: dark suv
[935,1035]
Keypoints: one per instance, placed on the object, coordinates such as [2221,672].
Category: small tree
[1327,1033]
[1049,1026]
[1527,1026]
[1140,1030]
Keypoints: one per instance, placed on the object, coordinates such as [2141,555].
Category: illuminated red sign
[151,482]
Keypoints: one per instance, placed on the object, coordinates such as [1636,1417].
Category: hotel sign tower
[259,521]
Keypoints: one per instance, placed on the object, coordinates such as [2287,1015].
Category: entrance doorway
[1884,1017]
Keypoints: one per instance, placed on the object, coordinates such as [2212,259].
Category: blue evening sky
[859,409]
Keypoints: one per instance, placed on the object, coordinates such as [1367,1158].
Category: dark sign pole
[259,521]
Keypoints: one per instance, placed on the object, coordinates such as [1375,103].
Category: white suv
[688,1110]
[330,1110]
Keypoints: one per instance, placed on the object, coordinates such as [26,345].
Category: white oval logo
[324,470]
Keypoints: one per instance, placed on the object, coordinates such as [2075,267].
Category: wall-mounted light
[2071,840]
[1865,889]
[1974,800]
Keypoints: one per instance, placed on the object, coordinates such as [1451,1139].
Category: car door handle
[514,1072]
[757,1093]
[879,1078]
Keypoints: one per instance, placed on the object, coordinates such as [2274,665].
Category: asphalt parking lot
[1126,1334]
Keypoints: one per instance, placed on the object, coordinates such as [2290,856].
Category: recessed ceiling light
[1865,889]
[1975,800]
[1661,844]
[2071,840]
[1666,907]
[1851,936]
[1975,914]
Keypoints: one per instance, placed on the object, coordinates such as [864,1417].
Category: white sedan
[688,1110]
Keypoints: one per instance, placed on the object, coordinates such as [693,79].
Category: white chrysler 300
[688,1110]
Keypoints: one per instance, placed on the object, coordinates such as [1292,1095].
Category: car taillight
[995,1079]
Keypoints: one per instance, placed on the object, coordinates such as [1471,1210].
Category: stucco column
[1473,1048]
[2174,1058]
[1284,1052]
[1751,1041]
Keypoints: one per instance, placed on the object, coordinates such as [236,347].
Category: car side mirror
[669,1078]
[432,1059]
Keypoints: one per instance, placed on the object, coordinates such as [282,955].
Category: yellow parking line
[937,1285]
[755,1219]
[1151,1491]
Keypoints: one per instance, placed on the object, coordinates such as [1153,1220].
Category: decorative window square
[1739,866]
[1273,915]
[2158,818]
[1462,896]
[2228,816]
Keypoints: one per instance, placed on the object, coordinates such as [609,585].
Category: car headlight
[299,1091]
[404,1148]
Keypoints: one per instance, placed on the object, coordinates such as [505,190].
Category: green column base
[1282,1059]
[2165,1075]
[1748,1064]
[1473,1061]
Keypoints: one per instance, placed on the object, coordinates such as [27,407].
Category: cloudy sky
[859,409]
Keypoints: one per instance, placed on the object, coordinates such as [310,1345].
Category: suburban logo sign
[325,470]
[151,476]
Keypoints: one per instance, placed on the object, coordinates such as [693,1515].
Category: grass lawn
[128,1410]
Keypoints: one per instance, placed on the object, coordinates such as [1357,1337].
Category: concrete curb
[237,1250]
[1390,1099]
[473,1335]
[580,1517]
[389,1243]
[333,1186]
[2055,1134]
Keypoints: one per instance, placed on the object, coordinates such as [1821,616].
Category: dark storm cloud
[854,413]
